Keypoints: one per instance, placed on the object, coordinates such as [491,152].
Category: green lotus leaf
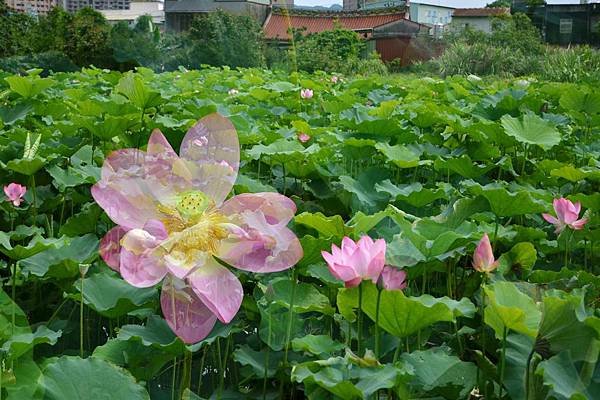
[532,130]
[75,378]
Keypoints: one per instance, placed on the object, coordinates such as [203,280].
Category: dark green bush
[328,51]
[49,61]
[137,46]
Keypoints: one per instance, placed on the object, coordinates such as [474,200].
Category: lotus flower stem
[270,332]
[201,374]
[284,182]
[186,376]
[585,252]
[290,324]
[528,372]
[502,367]
[459,341]
[525,151]
[173,378]
[34,204]
[397,352]
[265,375]
[568,248]
[495,233]
[360,319]
[14,296]
[81,318]
[221,370]
[482,306]
[377,338]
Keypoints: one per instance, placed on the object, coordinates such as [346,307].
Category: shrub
[513,48]
[574,64]
[372,65]
[220,38]
[49,61]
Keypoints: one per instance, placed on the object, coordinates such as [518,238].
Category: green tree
[88,39]
[330,50]
[15,32]
[221,38]
[52,31]
[137,46]
[500,3]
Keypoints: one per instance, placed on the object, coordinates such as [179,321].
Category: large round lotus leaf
[531,130]
[74,378]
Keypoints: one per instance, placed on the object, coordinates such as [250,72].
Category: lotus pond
[247,234]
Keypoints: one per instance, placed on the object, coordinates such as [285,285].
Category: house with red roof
[386,31]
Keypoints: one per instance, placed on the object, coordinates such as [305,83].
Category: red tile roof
[480,12]
[277,25]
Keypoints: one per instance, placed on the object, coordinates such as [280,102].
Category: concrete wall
[480,23]
[430,15]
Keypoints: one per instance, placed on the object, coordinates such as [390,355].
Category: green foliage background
[429,165]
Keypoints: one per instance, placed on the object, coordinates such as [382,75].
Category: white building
[154,9]
[430,14]
[477,18]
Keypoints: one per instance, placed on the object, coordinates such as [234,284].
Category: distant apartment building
[34,7]
[75,5]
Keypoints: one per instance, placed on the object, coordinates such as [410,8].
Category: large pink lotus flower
[566,215]
[174,225]
[392,278]
[14,193]
[483,258]
[356,261]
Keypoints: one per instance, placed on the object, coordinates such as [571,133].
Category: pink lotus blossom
[356,261]
[567,214]
[174,222]
[392,278]
[334,79]
[233,92]
[303,137]
[306,93]
[483,258]
[15,192]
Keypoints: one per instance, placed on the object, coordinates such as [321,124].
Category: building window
[566,26]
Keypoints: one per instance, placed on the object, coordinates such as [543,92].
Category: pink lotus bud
[483,258]
[15,192]
[303,137]
[306,93]
[334,79]
[392,278]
